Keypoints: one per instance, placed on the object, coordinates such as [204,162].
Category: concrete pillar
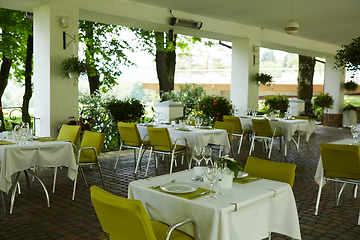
[55,98]
[333,85]
[245,63]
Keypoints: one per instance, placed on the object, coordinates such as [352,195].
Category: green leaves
[349,56]
[279,102]
[262,79]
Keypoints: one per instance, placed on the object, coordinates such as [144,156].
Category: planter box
[332,120]
[169,109]
[349,117]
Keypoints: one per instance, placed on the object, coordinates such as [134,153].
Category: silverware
[200,194]
[157,186]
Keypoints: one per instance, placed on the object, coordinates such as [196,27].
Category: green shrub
[127,110]
[214,107]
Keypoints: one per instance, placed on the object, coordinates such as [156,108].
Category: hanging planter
[350,86]
[262,79]
[72,68]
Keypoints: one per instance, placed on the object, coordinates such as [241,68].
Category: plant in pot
[262,79]
[72,67]
[351,86]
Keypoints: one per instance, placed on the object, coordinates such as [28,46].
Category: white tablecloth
[258,210]
[15,158]
[288,127]
[195,137]
[320,169]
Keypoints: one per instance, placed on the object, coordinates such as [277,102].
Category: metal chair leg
[101,176]
[147,167]
[240,142]
[3,202]
[319,195]
[119,156]
[55,173]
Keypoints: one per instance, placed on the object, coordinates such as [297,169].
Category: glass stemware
[219,179]
[211,174]
[207,155]
[198,155]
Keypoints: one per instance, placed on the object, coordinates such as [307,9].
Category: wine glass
[198,155]
[198,122]
[211,174]
[353,131]
[207,154]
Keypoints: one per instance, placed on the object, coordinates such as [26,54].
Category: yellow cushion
[277,171]
[70,133]
[160,232]
[91,139]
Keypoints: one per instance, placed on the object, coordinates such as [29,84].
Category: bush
[279,102]
[127,110]
[262,79]
[215,107]
[350,86]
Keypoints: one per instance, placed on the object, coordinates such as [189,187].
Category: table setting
[222,211]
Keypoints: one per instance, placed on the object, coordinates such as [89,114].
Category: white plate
[242,175]
[183,129]
[178,187]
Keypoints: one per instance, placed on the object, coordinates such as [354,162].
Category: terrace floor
[67,219]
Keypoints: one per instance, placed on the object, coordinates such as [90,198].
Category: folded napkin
[186,195]
[44,139]
[3,142]
[247,179]
[183,129]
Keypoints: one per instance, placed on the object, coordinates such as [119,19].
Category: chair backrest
[262,127]
[228,126]
[129,134]
[69,132]
[277,171]
[301,117]
[341,161]
[236,121]
[121,218]
[91,139]
[160,139]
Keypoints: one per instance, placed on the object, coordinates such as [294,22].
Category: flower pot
[227,179]
[181,124]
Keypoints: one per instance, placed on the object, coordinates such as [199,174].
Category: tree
[104,51]
[349,56]
[305,79]
[15,29]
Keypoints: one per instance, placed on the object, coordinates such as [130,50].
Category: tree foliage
[105,51]
[349,56]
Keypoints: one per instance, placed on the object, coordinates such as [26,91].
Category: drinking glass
[198,155]
[353,131]
[207,154]
[211,175]
[220,177]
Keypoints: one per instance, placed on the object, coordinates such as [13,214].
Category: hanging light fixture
[291,26]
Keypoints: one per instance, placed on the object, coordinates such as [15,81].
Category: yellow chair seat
[160,232]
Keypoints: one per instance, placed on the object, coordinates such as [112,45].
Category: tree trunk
[92,73]
[305,79]
[28,86]
[4,77]
[165,64]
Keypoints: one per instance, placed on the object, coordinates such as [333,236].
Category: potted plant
[350,86]
[229,168]
[262,79]
[72,67]
[279,102]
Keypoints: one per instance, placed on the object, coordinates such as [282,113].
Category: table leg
[14,192]
[43,186]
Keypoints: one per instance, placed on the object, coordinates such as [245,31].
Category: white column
[333,85]
[243,92]
[55,98]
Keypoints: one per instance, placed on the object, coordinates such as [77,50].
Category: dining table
[288,127]
[18,156]
[247,210]
[200,137]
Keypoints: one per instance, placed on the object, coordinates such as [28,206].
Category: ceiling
[331,21]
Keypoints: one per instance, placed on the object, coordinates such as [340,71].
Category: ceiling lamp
[291,26]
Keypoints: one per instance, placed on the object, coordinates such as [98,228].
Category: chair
[88,154]
[229,127]
[130,138]
[262,130]
[127,219]
[341,163]
[67,133]
[238,130]
[277,171]
[299,133]
[161,143]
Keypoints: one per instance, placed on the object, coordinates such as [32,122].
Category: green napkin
[6,143]
[184,130]
[44,139]
[247,179]
[186,195]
